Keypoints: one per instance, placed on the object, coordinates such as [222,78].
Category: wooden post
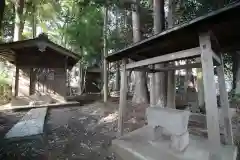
[123,98]
[16,81]
[210,93]
[105,52]
[67,88]
[152,88]
[200,89]
[224,104]
[171,89]
[32,82]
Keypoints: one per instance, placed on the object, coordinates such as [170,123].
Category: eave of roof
[10,46]
[185,36]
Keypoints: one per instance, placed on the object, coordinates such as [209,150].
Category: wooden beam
[170,68]
[123,98]
[185,66]
[19,44]
[166,58]
[210,93]
[225,105]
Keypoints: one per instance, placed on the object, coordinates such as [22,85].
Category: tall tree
[171,88]
[18,29]
[160,80]
[19,6]
[2,7]
[140,90]
[105,52]
[117,80]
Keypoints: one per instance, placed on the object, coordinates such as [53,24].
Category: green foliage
[78,24]
[8,22]
[84,33]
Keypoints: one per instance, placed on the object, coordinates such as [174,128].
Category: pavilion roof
[31,47]
[223,23]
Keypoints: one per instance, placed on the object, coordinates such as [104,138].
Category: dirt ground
[71,133]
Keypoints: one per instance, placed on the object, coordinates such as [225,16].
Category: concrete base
[31,124]
[138,146]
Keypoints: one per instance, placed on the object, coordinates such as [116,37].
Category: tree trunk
[32,76]
[105,52]
[2,7]
[117,64]
[188,80]
[140,90]
[81,79]
[158,84]
[19,5]
[236,72]
[117,83]
[171,87]
[34,24]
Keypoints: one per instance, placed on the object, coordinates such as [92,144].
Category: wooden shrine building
[44,62]
[206,37]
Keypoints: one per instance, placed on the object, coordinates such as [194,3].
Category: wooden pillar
[123,98]
[152,89]
[16,81]
[66,76]
[171,89]
[105,52]
[105,81]
[200,89]
[224,104]
[32,82]
[210,93]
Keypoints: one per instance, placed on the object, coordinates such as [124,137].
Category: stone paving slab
[65,104]
[31,124]
[137,145]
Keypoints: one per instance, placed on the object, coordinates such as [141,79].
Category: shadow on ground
[70,133]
